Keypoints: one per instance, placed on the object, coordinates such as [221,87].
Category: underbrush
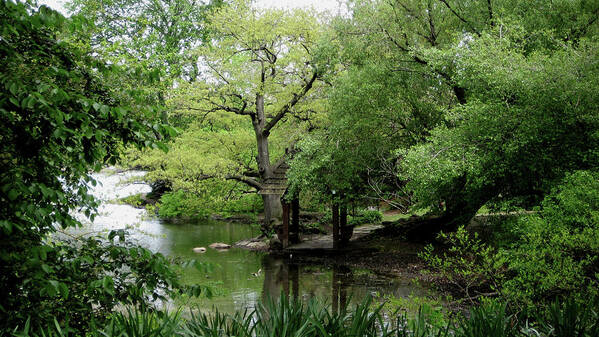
[532,260]
[183,204]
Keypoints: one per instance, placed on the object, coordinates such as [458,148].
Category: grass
[400,216]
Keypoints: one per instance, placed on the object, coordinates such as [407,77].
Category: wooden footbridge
[289,231]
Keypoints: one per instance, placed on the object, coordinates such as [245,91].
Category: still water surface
[240,278]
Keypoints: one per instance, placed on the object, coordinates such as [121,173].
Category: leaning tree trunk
[460,208]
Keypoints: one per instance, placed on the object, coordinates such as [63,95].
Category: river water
[239,278]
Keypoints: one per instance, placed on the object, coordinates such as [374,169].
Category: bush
[471,267]
[558,252]
[181,203]
[62,117]
[366,217]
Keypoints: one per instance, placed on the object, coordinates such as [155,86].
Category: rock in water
[199,250]
[219,245]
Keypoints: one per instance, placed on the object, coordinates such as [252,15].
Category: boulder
[259,245]
[219,245]
[199,250]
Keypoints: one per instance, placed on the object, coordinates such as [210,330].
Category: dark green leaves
[61,118]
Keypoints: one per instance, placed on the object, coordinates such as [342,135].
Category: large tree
[263,66]
[530,117]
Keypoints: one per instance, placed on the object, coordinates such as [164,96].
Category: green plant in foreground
[142,323]
[488,320]
[557,254]
[571,319]
[288,317]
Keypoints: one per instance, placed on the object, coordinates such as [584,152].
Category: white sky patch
[319,5]
[331,6]
[54,4]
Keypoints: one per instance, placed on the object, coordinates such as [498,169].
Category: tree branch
[460,17]
[287,107]
[246,180]
[237,177]
[227,108]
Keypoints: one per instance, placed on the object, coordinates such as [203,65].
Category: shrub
[181,203]
[559,247]
[471,267]
[366,217]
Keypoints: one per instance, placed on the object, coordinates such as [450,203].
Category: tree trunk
[458,212]
[273,210]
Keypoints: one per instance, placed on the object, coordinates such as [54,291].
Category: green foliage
[529,117]
[372,111]
[366,217]
[558,247]
[141,323]
[136,200]
[419,311]
[469,265]
[198,174]
[490,319]
[572,319]
[285,317]
[549,254]
[260,96]
[361,217]
[158,35]
[179,204]
[77,281]
[59,122]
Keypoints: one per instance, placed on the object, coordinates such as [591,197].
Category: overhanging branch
[246,180]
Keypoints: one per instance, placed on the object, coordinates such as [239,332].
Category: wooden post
[335,210]
[342,219]
[294,231]
[285,238]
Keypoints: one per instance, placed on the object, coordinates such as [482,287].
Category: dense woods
[431,110]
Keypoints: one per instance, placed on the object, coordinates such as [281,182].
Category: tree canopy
[59,122]
[480,99]
[156,34]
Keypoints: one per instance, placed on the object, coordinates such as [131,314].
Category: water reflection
[240,278]
[337,285]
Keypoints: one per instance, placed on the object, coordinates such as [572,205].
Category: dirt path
[320,242]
